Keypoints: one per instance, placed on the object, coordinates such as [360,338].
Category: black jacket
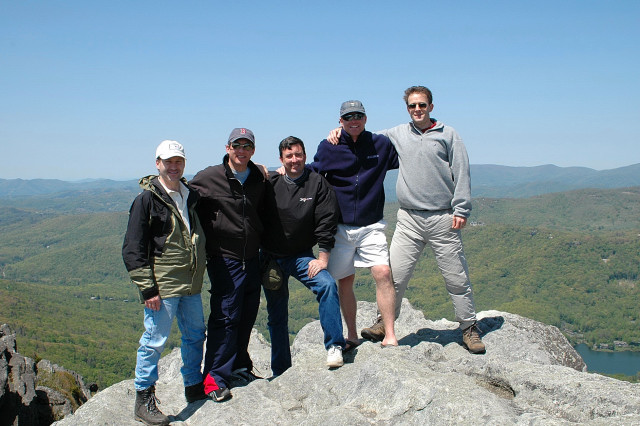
[160,254]
[230,211]
[299,215]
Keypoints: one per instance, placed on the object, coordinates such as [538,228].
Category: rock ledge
[529,375]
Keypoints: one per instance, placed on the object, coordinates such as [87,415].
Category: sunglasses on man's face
[354,116]
[422,105]
[238,145]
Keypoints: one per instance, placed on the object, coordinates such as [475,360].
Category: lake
[619,362]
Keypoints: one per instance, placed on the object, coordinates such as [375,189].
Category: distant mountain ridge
[503,181]
[493,181]
[10,188]
[487,180]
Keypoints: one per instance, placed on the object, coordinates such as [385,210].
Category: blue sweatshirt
[357,171]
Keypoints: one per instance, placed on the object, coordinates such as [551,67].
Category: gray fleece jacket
[434,169]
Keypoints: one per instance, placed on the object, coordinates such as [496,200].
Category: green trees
[571,260]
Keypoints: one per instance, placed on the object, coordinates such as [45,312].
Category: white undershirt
[180,198]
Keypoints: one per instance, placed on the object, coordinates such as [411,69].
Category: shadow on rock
[188,411]
[444,337]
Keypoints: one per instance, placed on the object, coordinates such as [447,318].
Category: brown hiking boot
[471,339]
[146,411]
[375,333]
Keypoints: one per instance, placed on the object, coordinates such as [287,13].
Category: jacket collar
[347,139]
[438,125]
[250,165]
[152,183]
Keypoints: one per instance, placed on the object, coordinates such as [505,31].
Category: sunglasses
[422,105]
[238,145]
[354,116]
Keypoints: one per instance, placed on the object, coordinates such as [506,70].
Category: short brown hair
[418,89]
[290,141]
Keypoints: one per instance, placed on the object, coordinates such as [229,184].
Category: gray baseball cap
[351,106]
[242,133]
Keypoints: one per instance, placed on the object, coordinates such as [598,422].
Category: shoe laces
[333,349]
[473,334]
[152,404]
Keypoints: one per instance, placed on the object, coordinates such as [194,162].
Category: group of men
[235,221]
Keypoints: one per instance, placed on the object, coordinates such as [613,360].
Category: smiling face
[293,159]
[419,108]
[170,171]
[353,126]
[240,152]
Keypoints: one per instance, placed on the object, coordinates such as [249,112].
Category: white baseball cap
[168,149]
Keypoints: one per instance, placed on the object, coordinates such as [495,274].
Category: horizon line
[91,179]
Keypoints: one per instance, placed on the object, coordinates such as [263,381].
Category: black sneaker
[244,375]
[194,393]
[220,394]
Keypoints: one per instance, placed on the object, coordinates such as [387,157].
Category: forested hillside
[569,259]
[580,210]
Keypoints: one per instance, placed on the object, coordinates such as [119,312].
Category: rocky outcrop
[17,383]
[60,391]
[529,375]
[33,394]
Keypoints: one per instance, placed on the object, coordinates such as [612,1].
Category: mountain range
[493,181]
[488,180]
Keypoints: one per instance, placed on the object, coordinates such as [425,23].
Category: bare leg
[386,298]
[348,305]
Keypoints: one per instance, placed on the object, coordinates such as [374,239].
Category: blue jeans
[157,324]
[235,298]
[323,286]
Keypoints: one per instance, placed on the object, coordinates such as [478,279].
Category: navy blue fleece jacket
[356,170]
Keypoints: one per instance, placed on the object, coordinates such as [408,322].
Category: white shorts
[358,247]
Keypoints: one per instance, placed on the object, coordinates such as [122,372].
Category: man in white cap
[164,253]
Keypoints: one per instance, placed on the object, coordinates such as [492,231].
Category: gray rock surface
[529,375]
[21,402]
[54,404]
[17,383]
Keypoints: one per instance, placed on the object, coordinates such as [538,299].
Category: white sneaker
[334,357]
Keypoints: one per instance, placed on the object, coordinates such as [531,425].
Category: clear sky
[88,89]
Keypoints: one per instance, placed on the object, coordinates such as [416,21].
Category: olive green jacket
[162,256]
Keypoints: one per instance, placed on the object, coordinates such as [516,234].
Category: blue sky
[88,89]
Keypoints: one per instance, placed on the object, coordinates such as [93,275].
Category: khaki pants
[414,230]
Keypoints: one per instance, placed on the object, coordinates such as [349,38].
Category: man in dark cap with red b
[232,195]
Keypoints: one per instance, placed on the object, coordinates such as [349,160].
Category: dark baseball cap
[351,106]
[242,133]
